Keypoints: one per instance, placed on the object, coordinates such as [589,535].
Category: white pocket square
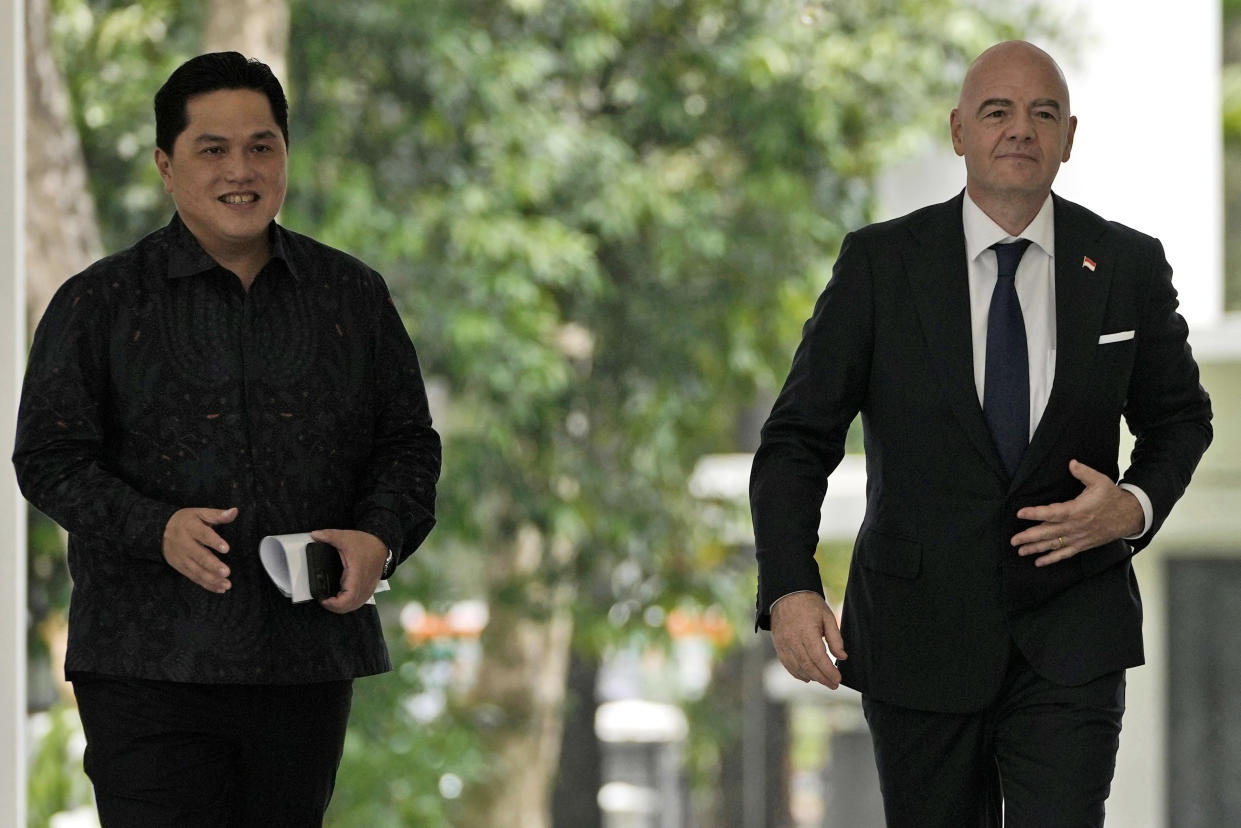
[1119,336]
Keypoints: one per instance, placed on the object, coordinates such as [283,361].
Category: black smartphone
[324,568]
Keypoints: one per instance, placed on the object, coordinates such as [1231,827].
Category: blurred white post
[12,359]
[1145,85]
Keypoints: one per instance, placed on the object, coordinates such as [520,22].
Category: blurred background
[604,222]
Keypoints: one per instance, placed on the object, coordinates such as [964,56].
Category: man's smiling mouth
[239,198]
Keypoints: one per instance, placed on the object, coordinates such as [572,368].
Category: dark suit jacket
[936,595]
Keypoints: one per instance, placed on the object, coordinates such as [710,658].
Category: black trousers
[1041,756]
[226,756]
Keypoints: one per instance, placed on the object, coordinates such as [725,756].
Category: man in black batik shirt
[222,380]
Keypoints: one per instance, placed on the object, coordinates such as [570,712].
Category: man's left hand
[363,555]
[1102,513]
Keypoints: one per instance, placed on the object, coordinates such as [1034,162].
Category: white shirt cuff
[1148,511]
[786,595]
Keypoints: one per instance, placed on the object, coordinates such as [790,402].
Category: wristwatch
[388,566]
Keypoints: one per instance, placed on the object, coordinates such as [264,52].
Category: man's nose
[240,168]
[1021,127]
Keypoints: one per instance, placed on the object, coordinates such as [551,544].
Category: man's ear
[1068,144]
[163,163]
[954,127]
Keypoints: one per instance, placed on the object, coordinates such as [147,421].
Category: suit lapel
[939,284]
[1081,296]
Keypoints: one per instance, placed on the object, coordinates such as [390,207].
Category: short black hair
[209,73]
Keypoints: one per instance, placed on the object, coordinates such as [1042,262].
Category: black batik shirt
[155,382]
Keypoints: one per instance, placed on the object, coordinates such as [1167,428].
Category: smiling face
[227,171]
[1012,125]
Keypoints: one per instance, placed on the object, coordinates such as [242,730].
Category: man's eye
[262,148]
[213,150]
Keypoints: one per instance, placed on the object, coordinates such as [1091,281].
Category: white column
[1145,84]
[12,361]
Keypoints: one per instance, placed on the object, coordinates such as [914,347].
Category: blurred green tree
[1230,88]
[603,221]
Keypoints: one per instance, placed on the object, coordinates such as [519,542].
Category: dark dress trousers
[937,598]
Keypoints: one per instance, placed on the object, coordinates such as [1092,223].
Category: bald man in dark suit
[992,344]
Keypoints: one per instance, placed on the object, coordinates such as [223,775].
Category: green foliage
[1230,100]
[114,56]
[47,589]
[1230,89]
[604,222]
[410,747]
[56,781]
[400,768]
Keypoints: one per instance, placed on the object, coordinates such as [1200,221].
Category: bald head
[1014,56]
[1013,127]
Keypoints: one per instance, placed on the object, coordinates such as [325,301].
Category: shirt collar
[186,256]
[981,231]
[280,250]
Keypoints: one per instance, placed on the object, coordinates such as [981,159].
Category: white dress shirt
[1036,291]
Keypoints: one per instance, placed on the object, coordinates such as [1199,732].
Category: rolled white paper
[284,558]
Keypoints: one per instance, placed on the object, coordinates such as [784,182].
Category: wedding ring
[1059,542]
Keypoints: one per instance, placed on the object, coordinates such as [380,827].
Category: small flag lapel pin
[1088,263]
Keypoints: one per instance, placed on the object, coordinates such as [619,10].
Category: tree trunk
[755,774]
[575,800]
[62,231]
[519,694]
[256,28]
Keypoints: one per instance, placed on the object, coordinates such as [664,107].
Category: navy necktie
[1006,384]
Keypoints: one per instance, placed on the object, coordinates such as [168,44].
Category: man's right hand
[800,623]
[190,545]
